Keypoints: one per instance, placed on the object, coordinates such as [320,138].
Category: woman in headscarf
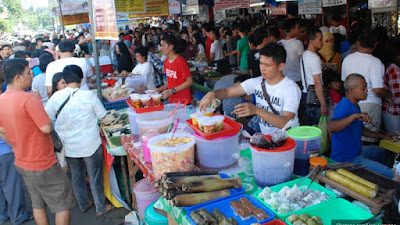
[329,57]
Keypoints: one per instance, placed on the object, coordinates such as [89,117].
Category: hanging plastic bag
[323,122]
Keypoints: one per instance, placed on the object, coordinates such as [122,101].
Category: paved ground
[114,217]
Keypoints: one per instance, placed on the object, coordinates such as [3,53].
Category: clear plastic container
[179,158]
[135,83]
[145,194]
[271,167]
[132,121]
[308,141]
[217,153]
[146,137]
[153,121]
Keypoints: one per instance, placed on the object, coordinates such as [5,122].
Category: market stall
[258,178]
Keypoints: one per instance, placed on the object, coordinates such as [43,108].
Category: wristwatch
[173,91]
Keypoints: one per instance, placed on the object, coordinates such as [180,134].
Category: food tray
[336,209]
[117,99]
[225,208]
[145,110]
[290,184]
[275,222]
[229,127]
[113,142]
[234,192]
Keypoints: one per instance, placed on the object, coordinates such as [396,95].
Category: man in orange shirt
[25,126]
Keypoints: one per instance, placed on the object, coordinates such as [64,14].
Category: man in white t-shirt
[372,69]
[67,48]
[311,74]
[284,94]
[294,50]
[216,52]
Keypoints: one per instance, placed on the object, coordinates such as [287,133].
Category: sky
[36,3]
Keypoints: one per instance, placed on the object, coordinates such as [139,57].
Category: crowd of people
[295,73]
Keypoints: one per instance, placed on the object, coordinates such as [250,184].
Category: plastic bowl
[145,194]
[153,121]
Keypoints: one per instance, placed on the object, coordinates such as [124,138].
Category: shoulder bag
[266,96]
[312,98]
[58,145]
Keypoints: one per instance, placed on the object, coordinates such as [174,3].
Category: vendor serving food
[282,94]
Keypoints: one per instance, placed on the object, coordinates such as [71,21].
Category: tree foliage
[13,7]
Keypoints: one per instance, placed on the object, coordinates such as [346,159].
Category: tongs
[315,171]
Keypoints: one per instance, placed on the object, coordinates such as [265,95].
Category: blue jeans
[94,167]
[12,199]
[373,157]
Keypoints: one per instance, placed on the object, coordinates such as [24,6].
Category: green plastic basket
[338,209]
[290,184]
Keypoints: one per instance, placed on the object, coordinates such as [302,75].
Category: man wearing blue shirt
[347,127]
[12,199]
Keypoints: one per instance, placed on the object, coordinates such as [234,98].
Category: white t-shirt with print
[284,96]
[294,48]
[58,66]
[77,123]
[148,70]
[216,48]
[312,66]
[368,66]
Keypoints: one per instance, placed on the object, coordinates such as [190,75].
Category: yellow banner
[76,19]
[153,8]
[137,6]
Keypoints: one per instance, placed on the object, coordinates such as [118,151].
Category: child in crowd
[335,89]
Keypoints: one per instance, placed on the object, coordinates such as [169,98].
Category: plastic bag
[323,122]
[259,140]
[132,219]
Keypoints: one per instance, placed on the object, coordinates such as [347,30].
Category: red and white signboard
[174,7]
[231,4]
[281,9]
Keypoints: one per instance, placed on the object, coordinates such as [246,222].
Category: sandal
[108,209]
[87,207]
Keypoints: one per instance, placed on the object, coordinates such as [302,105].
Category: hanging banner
[310,7]
[153,8]
[219,15]
[231,4]
[76,19]
[281,9]
[192,7]
[203,14]
[374,4]
[174,7]
[329,3]
[137,6]
[106,20]
[69,7]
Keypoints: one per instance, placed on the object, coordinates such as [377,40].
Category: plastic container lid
[144,98]
[144,186]
[206,121]
[290,144]
[218,118]
[304,132]
[154,218]
[315,161]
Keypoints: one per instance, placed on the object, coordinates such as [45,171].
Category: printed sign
[374,4]
[281,9]
[76,19]
[174,7]
[231,4]
[329,3]
[310,7]
[106,20]
[153,8]
[137,6]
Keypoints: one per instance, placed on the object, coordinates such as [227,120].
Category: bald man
[347,127]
